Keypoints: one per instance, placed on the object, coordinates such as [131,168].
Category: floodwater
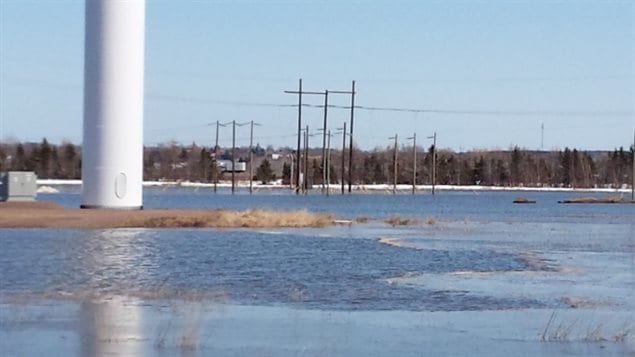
[477,275]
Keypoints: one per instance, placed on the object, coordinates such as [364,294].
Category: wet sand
[51,215]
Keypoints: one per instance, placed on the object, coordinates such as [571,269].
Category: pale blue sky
[569,64]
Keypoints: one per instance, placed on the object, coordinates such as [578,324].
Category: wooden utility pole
[350,154]
[326,105]
[434,160]
[343,156]
[328,163]
[234,124]
[305,182]
[414,162]
[233,156]
[251,156]
[300,92]
[218,124]
[394,166]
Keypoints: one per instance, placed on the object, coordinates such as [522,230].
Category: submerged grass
[562,331]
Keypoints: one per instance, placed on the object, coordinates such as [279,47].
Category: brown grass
[47,215]
[523,200]
[400,221]
[608,199]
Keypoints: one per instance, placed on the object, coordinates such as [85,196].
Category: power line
[486,112]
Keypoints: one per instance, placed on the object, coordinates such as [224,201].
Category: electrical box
[18,186]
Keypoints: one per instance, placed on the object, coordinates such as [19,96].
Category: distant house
[226,166]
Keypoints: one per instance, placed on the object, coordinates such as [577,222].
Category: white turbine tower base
[112,148]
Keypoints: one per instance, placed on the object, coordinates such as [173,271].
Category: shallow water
[483,277]
[476,205]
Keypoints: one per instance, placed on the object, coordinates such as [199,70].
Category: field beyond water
[459,273]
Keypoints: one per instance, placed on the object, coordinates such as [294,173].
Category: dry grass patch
[608,199]
[523,200]
[400,221]
[47,215]
[256,218]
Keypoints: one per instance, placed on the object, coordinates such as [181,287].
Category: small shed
[18,186]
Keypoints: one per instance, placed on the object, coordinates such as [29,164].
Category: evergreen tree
[514,166]
[286,173]
[478,172]
[264,173]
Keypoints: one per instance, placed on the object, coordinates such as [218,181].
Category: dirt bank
[51,215]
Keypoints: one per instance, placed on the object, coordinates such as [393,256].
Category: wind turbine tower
[112,148]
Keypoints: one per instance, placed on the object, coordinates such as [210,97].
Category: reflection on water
[112,254]
[110,327]
[245,267]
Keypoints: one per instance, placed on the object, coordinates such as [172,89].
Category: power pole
[218,124]
[233,156]
[343,156]
[326,105]
[299,92]
[234,124]
[328,164]
[324,131]
[350,154]
[251,157]
[414,162]
[434,160]
[394,166]
[633,162]
[305,182]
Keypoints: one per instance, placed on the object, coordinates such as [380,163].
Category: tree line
[514,167]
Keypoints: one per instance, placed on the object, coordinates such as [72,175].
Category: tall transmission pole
[328,163]
[434,160]
[324,131]
[251,157]
[218,124]
[343,129]
[305,181]
[234,124]
[233,156]
[350,154]
[326,105]
[299,92]
[394,165]
[414,162]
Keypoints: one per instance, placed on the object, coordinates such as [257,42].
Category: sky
[486,74]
